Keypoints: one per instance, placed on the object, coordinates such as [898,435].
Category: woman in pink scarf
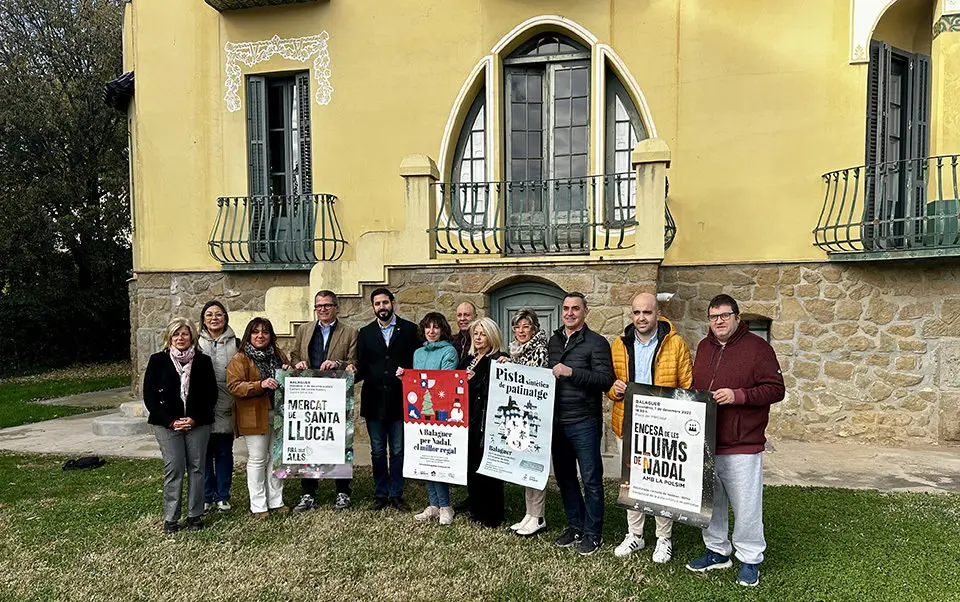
[180,392]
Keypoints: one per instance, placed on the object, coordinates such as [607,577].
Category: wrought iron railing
[276,232]
[896,206]
[564,216]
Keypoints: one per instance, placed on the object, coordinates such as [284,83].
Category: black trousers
[310,486]
[486,493]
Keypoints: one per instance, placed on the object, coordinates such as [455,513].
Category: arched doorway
[543,298]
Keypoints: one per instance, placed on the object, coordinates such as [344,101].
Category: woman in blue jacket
[437,353]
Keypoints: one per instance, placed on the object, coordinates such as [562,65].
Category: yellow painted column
[650,159]
[945,80]
[419,173]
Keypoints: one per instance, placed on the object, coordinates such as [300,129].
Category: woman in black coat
[485,494]
[180,393]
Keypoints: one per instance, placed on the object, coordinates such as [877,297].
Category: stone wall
[870,351]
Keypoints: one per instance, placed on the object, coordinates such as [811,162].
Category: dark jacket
[478,388]
[461,342]
[161,390]
[580,395]
[381,397]
[748,365]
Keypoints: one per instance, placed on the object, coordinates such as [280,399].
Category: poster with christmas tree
[435,425]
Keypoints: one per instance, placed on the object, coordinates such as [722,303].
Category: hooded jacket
[672,366]
[748,365]
[221,350]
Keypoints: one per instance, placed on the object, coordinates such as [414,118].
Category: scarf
[532,353]
[266,361]
[183,363]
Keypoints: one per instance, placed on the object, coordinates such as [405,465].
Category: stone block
[791,309]
[808,291]
[812,329]
[879,391]
[115,425]
[782,330]
[845,329]
[922,309]
[949,418]
[811,276]
[860,343]
[790,274]
[849,310]
[949,371]
[859,292]
[838,370]
[767,276]
[880,311]
[133,409]
[912,345]
[832,291]
[831,273]
[585,284]
[950,310]
[764,293]
[902,330]
[906,362]
[475,283]
[807,370]
[822,310]
[786,290]
[913,403]
[417,295]
[900,379]
[829,343]
[864,418]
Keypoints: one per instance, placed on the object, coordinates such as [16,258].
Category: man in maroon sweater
[742,372]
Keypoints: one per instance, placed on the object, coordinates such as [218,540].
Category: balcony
[570,216]
[276,232]
[892,210]
[227,5]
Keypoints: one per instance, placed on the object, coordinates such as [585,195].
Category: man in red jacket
[742,372]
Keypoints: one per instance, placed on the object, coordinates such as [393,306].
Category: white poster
[314,421]
[519,425]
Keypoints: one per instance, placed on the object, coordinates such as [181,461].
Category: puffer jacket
[579,396]
[221,350]
[440,355]
[672,366]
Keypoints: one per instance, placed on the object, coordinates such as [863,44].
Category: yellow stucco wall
[755,100]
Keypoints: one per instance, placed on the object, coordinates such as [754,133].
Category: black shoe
[589,545]
[463,506]
[570,537]
[194,523]
[170,528]
[379,504]
[400,504]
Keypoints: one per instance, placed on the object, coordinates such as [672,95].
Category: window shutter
[306,157]
[919,136]
[878,79]
[257,165]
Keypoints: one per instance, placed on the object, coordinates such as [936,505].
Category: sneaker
[446,515]
[664,550]
[709,562]
[518,525]
[630,544]
[749,575]
[379,503]
[207,506]
[429,513]
[569,538]
[194,523]
[306,503]
[169,528]
[589,544]
[342,503]
[224,506]
[399,503]
[532,526]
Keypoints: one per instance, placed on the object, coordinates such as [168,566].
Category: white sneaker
[630,544]
[224,506]
[519,525]
[446,515]
[664,550]
[207,506]
[532,526]
[429,513]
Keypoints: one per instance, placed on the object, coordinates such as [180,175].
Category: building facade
[503,152]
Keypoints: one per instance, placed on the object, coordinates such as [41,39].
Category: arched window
[469,191]
[623,130]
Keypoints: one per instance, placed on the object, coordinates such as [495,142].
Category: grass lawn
[95,535]
[17,394]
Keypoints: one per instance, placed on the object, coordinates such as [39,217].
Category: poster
[519,425]
[668,453]
[312,429]
[436,412]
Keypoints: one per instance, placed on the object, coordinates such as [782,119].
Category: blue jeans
[438,494]
[574,444]
[218,475]
[386,483]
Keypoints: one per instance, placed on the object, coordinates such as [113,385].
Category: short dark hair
[208,305]
[724,299]
[381,291]
[529,315]
[259,321]
[435,319]
[576,295]
[326,293]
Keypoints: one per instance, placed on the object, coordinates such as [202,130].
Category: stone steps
[118,425]
[133,409]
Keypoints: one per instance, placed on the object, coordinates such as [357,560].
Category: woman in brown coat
[251,379]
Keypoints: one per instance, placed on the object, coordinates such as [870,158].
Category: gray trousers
[739,481]
[182,451]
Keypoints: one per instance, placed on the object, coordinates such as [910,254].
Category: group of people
[202,390]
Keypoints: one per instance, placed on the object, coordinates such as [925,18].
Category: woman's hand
[470,374]
[269,383]
[301,365]
[399,371]
[503,359]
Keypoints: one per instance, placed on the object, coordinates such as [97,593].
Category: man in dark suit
[325,344]
[384,345]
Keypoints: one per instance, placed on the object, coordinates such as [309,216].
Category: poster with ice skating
[519,425]
[435,425]
[668,453]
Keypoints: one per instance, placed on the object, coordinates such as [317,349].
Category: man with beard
[466,313]
[383,345]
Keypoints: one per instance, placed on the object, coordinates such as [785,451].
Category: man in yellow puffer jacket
[649,352]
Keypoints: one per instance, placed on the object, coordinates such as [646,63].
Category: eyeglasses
[217,315]
[721,317]
[324,306]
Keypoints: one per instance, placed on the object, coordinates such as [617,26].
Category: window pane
[561,141]
[580,114]
[518,89]
[581,83]
[561,167]
[562,108]
[476,145]
[534,144]
[579,139]
[563,84]
[578,166]
[518,169]
[535,114]
[623,136]
[621,111]
[518,117]
[534,87]
[536,169]
[518,144]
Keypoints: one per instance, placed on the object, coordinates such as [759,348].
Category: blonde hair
[175,325]
[490,329]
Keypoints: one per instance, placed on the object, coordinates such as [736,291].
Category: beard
[384,315]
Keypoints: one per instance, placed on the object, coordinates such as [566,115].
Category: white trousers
[266,490]
[740,482]
[635,520]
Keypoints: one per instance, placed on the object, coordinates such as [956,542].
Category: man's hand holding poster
[312,430]
[435,425]
[668,453]
[519,425]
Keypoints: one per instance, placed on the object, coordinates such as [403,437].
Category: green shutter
[878,78]
[303,109]
[257,166]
